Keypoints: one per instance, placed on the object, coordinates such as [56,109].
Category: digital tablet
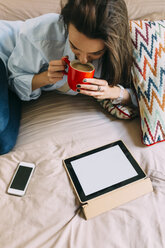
[102,170]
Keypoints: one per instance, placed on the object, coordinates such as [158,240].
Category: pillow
[119,111]
[148,71]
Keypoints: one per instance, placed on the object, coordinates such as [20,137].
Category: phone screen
[21,178]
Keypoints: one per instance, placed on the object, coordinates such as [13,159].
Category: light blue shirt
[29,46]
[8,36]
[39,41]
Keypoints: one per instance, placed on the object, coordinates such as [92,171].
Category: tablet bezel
[84,198]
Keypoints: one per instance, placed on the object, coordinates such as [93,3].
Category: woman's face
[84,48]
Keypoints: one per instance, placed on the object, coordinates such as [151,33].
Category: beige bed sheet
[56,127]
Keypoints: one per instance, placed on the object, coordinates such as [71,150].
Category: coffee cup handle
[68,63]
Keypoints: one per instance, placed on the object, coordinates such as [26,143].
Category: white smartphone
[21,179]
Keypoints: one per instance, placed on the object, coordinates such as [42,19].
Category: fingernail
[78,85]
[84,80]
[78,90]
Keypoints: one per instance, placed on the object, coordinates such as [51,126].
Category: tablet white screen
[103,169]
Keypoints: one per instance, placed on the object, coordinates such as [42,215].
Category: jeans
[10,113]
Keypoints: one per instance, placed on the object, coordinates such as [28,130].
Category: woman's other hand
[100,89]
[54,74]
[56,70]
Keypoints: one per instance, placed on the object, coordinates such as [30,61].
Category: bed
[56,127]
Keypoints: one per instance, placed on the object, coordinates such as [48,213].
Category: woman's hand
[54,74]
[56,70]
[100,89]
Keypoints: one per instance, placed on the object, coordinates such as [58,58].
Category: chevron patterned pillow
[148,39]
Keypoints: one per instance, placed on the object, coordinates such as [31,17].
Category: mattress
[56,127]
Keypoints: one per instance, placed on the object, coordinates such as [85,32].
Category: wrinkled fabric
[56,127]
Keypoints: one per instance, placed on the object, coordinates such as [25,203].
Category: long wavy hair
[106,20]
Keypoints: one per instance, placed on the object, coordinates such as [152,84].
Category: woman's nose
[83,58]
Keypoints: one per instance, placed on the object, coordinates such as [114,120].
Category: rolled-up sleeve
[24,62]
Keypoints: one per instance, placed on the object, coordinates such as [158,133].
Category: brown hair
[106,20]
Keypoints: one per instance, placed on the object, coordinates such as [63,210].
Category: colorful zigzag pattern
[148,39]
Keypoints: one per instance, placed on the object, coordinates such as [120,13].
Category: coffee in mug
[82,67]
[77,72]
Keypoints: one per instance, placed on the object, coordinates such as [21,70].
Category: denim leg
[4,108]
[10,113]
[9,136]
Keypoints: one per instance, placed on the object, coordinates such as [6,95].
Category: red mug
[77,72]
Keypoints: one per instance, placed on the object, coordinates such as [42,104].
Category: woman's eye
[73,47]
[95,55]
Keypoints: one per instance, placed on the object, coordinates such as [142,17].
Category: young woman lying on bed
[92,31]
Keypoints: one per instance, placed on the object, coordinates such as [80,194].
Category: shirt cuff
[22,85]
[133,97]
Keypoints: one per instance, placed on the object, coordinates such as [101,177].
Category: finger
[90,87]
[52,69]
[57,62]
[55,80]
[55,74]
[95,81]
[91,93]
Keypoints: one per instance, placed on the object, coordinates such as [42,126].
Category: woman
[95,31]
